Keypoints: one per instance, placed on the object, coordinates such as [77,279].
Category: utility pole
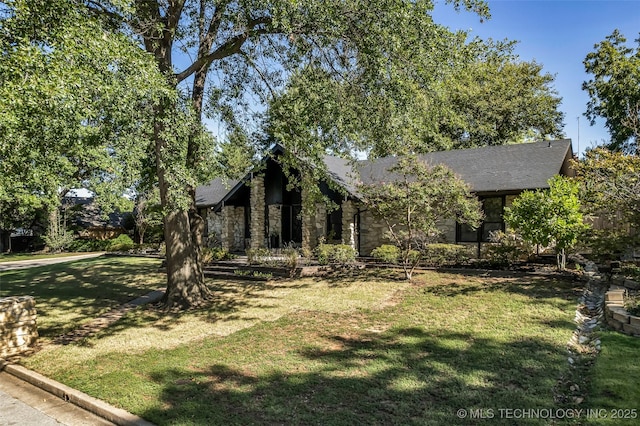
[578,149]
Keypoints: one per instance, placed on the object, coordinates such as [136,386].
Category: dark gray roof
[502,168]
[342,172]
[215,191]
[505,168]
[85,213]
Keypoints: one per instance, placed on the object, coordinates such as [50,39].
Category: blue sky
[557,34]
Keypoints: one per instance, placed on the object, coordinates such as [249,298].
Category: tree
[251,47]
[610,184]
[467,95]
[498,99]
[614,91]
[550,216]
[415,201]
[74,98]
[148,212]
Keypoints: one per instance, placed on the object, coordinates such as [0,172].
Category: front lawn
[359,350]
[70,294]
[614,388]
[14,257]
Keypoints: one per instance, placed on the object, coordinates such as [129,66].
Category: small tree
[148,212]
[549,216]
[415,201]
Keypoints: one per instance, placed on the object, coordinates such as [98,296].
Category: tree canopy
[614,91]
[416,200]
[548,217]
[74,105]
[467,95]
[611,184]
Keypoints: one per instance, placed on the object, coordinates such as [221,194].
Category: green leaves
[415,201]
[548,216]
[610,185]
[614,91]
[75,103]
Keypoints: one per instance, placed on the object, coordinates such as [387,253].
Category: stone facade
[275,221]
[18,330]
[258,235]
[349,231]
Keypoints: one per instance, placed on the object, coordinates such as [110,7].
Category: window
[493,208]
[334,225]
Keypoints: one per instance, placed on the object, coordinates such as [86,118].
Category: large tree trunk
[185,278]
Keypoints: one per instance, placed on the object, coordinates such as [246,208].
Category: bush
[609,244]
[386,253]
[122,242]
[445,254]
[258,256]
[83,245]
[335,253]
[507,248]
[632,305]
[215,254]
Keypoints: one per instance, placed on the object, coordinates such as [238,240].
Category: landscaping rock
[631,284]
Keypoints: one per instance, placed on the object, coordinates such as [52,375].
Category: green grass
[14,257]
[616,374]
[358,350]
[70,294]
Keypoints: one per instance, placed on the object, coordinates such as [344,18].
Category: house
[259,211]
[85,217]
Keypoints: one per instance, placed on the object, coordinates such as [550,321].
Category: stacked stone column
[257,212]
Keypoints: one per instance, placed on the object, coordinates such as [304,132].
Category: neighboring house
[87,219]
[259,211]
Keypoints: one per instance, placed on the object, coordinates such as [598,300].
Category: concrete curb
[82,400]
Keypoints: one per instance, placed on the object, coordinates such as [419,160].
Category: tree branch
[228,48]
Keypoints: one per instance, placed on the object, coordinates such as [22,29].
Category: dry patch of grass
[356,350]
[238,305]
[68,295]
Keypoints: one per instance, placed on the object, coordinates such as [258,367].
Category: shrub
[445,254]
[122,242]
[506,248]
[386,253]
[257,256]
[609,244]
[632,305]
[83,245]
[335,253]
[214,254]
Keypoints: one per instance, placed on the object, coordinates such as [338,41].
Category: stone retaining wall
[617,316]
[18,330]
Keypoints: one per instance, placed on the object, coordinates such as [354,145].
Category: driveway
[23,264]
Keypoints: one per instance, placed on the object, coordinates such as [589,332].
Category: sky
[557,34]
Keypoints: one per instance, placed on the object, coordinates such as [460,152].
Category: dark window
[334,225]
[493,209]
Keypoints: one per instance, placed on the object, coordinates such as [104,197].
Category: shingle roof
[488,169]
[212,193]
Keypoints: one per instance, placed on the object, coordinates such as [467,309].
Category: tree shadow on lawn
[541,289]
[84,289]
[402,376]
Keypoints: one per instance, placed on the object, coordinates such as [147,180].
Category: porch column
[308,224]
[226,232]
[257,212]
[349,210]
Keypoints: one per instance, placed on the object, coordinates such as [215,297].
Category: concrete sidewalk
[32,263]
[24,404]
